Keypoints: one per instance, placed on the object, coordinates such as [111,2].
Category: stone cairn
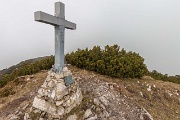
[56,97]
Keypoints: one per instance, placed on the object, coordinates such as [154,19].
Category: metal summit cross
[59,23]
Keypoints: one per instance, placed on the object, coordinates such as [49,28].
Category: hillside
[10,69]
[123,98]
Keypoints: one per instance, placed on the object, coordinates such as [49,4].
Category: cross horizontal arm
[52,20]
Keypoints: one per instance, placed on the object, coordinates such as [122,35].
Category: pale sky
[148,27]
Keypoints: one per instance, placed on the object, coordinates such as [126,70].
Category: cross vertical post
[59,38]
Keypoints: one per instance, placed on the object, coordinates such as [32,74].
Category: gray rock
[12,117]
[58,103]
[60,111]
[96,101]
[92,118]
[51,84]
[26,116]
[60,76]
[87,114]
[53,94]
[52,110]
[40,104]
[104,100]
[72,117]
[68,109]
[145,115]
[60,87]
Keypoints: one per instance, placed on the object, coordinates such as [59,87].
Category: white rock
[72,117]
[149,88]
[92,118]
[58,103]
[60,111]
[68,109]
[60,95]
[52,110]
[40,104]
[26,116]
[51,84]
[60,87]
[12,117]
[67,103]
[87,113]
[53,94]
[65,69]
[141,94]
[66,72]
[61,81]
[41,92]
[44,85]
[103,100]
[52,74]
[79,98]
[59,76]
[96,101]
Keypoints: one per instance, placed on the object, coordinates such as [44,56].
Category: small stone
[32,76]
[58,103]
[12,117]
[92,118]
[60,87]
[87,113]
[60,95]
[61,81]
[41,91]
[52,74]
[67,97]
[26,116]
[149,88]
[68,109]
[59,76]
[52,110]
[41,118]
[51,84]
[96,101]
[65,69]
[40,104]
[79,97]
[103,100]
[53,94]
[44,85]
[25,106]
[60,111]
[72,117]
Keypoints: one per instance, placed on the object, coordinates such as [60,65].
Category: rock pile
[57,97]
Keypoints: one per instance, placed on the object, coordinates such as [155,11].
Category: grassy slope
[162,102]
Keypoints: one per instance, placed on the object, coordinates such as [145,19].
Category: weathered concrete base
[55,98]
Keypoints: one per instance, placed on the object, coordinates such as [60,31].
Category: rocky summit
[83,95]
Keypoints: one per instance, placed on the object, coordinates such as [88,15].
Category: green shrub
[158,76]
[111,61]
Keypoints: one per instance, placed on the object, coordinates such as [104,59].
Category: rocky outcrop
[55,98]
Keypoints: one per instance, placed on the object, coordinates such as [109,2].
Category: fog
[148,27]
